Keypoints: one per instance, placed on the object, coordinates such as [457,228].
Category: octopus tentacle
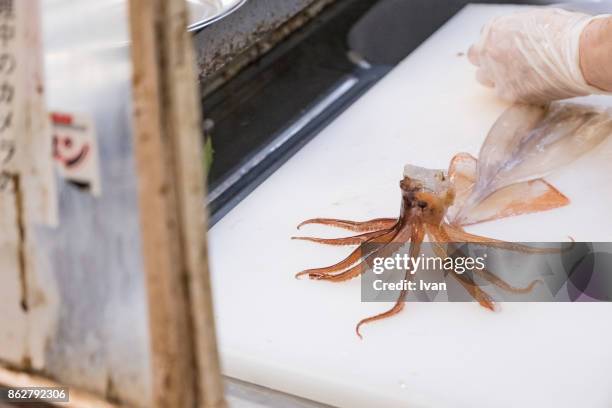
[468,283]
[354,240]
[441,236]
[359,268]
[482,297]
[417,234]
[502,284]
[357,226]
[353,257]
[399,305]
[453,234]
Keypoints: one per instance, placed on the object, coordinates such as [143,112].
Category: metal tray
[98,24]
[206,12]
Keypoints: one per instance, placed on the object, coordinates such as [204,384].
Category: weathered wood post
[27,184]
[168,147]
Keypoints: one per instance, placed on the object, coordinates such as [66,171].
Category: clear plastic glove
[533,56]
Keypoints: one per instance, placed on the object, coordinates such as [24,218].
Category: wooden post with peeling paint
[167,134]
[27,185]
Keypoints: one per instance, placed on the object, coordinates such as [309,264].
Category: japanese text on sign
[8,90]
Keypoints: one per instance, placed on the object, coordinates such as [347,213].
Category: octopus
[524,145]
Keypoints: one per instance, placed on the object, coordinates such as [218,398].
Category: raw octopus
[526,143]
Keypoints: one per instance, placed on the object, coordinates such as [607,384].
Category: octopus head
[426,193]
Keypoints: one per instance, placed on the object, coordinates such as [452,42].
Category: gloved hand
[533,56]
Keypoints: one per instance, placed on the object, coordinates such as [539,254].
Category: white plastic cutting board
[298,335]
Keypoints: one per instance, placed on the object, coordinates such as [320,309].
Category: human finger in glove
[545,54]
